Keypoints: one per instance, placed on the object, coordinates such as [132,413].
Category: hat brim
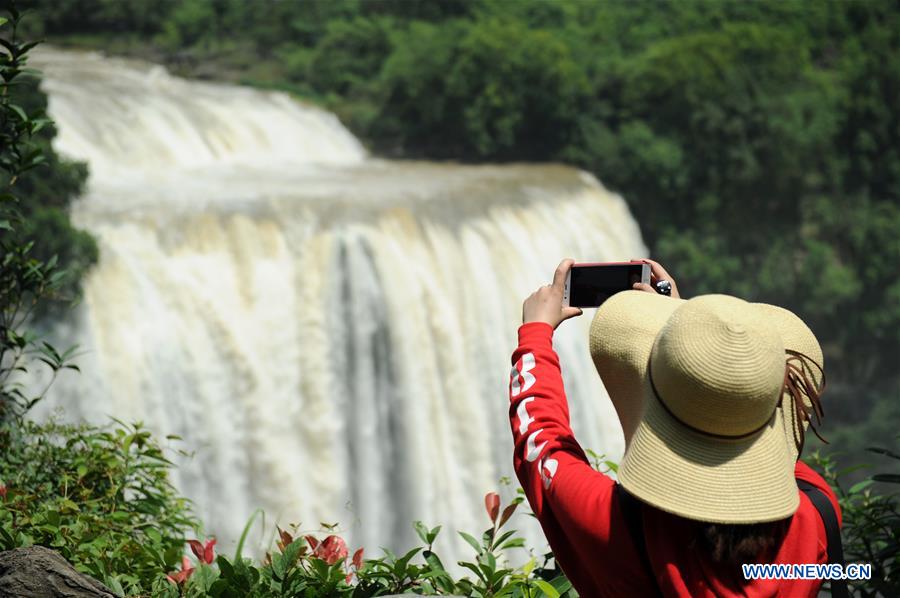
[696,476]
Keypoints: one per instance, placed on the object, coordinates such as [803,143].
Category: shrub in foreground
[311,567]
[871,523]
[101,497]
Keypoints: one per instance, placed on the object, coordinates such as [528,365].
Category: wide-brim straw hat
[696,385]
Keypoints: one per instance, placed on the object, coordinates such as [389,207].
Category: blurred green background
[757,143]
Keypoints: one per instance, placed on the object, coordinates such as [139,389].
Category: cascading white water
[330,334]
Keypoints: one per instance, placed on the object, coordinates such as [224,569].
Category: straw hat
[696,385]
[639,316]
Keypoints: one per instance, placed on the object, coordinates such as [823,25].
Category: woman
[711,398]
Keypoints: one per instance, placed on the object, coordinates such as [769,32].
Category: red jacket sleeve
[570,499]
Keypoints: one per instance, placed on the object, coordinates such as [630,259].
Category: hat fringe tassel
[799,383]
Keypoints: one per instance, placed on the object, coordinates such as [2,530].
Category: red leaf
[209,552]
[3,491]
[179,577]
[286,538]
[507,513]
[358,558]
[332,549]
[196,548]
[312,542]
[492,505]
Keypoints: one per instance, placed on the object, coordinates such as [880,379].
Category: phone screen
[590,286]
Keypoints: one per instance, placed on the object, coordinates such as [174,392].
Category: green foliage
[99,496]
[309,567]
[37,184]
[347,55]
[479,91]
[27,277]
[871,523]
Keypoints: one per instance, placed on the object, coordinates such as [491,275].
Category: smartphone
[589,285]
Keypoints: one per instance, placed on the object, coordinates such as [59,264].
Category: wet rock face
[38,572]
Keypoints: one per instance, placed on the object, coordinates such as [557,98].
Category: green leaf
[401,565]
[433,561]
[504,537]
[19,111]
[490,561]
[859,487]
[204,577]
[225,568]
[497,577]
[278,566]
[292,551]
[472,541]
[9,47]
[115,585]
[38,124]
[320,568]
[238,552]
[218,587]
[514,543]
[546,588]
[421,530]
[474,568]
[7,540]
[562,584]
[433,534]
[26,47]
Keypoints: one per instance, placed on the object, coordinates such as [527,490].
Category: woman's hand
[545,304]
[657,273]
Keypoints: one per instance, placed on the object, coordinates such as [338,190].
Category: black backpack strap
[631,512]
[832,532]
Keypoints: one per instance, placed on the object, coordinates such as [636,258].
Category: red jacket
[580,514]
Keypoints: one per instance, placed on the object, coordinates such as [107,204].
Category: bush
[310,567]
[99,496]
[871,524]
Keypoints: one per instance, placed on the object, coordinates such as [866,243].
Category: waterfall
[329,333]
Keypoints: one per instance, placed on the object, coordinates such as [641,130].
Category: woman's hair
[728,546]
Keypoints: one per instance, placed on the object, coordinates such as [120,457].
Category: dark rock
[38,572]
